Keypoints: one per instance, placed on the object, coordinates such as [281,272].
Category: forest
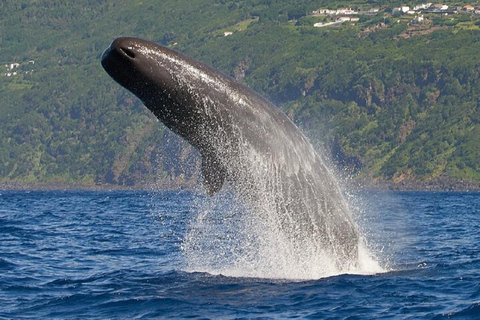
[381,99]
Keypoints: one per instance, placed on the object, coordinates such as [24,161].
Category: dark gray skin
[243,139]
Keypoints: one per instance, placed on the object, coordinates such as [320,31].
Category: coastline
[439,185]
[4,186]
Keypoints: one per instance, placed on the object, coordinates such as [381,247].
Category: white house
[422,6]
[402,9]
[442,7]
[323,11]
[346,11]
[418,19]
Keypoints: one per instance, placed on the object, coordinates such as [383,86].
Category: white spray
[284,215]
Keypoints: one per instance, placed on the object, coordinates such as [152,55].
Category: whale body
[243,139]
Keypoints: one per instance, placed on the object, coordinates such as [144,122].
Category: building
[402,9]
[422,6]
[442,7]
[417,20]
[12,66]
[346,11]
[322,11]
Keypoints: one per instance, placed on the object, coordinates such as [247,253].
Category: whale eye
[129,52]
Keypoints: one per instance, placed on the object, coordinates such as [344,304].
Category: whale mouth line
[128,52]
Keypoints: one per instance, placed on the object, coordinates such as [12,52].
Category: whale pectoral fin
[213,175]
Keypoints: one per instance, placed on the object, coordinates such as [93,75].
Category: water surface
[78,254]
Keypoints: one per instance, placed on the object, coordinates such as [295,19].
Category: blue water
[98,255]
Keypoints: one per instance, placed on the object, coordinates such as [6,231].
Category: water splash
[229,239]
[285,215]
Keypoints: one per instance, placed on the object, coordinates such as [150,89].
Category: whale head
[130,62]
[180,91]
[158,76]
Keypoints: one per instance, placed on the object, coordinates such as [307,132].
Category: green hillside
[387,100]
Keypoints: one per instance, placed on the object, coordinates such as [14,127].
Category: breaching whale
[242,138]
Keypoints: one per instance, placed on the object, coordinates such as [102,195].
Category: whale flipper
[213,174]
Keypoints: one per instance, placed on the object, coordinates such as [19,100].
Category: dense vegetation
[388,104]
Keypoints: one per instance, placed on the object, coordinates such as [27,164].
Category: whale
[243,141]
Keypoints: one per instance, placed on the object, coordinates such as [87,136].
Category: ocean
[144,255]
